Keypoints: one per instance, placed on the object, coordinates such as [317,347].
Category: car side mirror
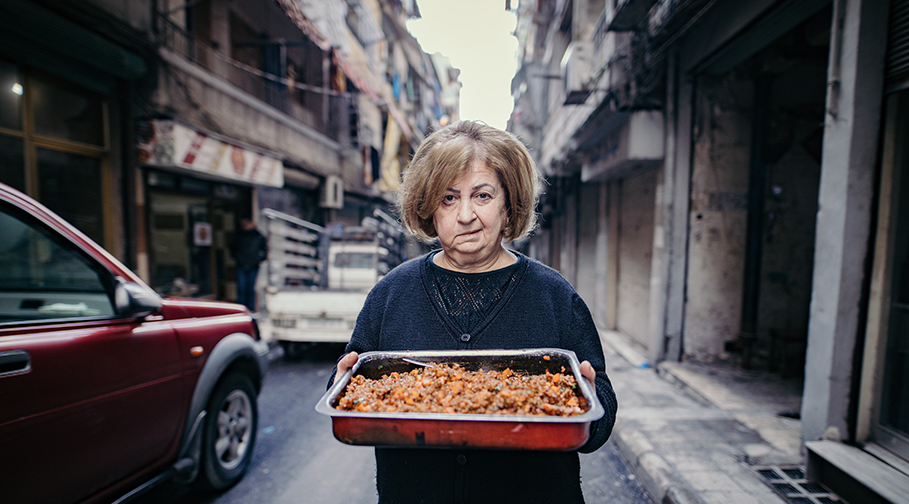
[134,300]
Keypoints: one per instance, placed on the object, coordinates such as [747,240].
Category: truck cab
[356,265]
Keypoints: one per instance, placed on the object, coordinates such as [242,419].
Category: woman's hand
[350,359]
[586,370]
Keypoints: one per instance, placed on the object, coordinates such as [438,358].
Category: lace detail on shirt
[467,298]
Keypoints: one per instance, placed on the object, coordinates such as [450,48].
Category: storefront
[64,91]
[755,174]
[883,412]
[887,350]
[53,146]
[634,243]
[625,163]
[197,187]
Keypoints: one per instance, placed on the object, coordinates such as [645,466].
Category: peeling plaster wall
[719,195]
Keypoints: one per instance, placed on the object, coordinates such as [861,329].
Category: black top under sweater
[468,297]
[537,308]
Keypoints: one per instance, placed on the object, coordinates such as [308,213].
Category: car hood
[173,307]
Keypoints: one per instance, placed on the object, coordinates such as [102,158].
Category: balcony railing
[599,32]
[298,100]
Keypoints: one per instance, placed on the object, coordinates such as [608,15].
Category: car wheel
[230,433]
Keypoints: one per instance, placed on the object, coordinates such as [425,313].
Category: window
[66,112]
[12,162]
[66,179]
[895,394]
[43,276]
[10,96]
[54,146]
[890,427]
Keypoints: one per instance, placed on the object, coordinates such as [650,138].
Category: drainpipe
[755,221]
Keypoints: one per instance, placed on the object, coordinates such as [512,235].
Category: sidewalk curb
[659,479]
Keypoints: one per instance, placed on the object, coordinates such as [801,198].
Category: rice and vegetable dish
[449,388]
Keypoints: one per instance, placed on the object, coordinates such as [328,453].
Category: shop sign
[202,234]
[171,144]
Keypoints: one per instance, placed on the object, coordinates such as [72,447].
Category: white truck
[318,277]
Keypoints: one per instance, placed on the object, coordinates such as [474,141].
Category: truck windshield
[355,260]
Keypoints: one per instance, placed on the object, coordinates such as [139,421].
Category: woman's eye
[483,196]
[448,199]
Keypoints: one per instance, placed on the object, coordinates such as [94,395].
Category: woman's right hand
[347,362]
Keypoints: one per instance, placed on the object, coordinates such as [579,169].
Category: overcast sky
[476,36]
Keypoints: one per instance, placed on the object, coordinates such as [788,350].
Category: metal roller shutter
[897,73]
[636,221]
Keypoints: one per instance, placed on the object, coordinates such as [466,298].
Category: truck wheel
[230,433]
[294,350]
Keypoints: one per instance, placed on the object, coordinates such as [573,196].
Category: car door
[87,397]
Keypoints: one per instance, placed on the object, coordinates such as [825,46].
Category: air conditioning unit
[576,67]
[631,141]
[332,193]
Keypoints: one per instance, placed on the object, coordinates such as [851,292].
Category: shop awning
[169,144]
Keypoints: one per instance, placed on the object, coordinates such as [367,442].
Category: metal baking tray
[454,430]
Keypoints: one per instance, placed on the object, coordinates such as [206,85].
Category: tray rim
[595,412]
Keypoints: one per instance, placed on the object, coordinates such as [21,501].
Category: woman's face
[470,219]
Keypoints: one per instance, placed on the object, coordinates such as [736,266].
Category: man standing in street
[248,249]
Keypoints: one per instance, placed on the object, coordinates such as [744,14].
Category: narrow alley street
[298,460]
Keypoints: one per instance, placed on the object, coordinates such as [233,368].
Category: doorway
[785,167]
[755,175]
[191,223]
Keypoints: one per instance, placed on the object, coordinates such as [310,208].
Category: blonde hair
[446,155]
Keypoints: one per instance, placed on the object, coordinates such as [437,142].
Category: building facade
[155,125]
[726,176]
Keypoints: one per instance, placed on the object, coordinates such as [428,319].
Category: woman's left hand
[588,372]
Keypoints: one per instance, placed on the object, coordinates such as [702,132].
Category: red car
[107,388]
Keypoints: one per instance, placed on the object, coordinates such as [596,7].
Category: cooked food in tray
[486,405]
[450,388]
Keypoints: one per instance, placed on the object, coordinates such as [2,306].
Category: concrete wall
[671,231]
[217,103]
[188,91]
[851,134]
[601,307]
[719,188]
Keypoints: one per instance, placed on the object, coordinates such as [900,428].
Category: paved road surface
[298,460]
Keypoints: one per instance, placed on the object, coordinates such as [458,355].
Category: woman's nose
[466,211]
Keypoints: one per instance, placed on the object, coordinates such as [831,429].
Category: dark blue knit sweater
[539,309]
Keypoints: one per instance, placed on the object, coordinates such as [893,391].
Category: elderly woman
[474,188]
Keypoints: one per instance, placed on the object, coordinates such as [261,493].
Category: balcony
[630,14]
[281,88]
